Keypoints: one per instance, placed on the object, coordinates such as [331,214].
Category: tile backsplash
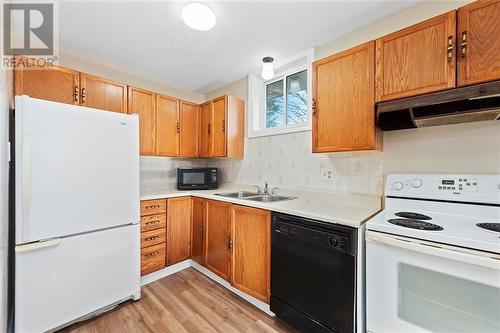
[287,161]
[283,160]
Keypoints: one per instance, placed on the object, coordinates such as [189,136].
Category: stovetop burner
[490,226]
[411,215]
[415,224]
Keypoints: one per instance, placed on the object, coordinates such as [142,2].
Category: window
[289,108]
[283,104]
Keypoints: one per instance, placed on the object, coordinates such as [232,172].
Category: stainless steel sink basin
[270,198]
[238,195]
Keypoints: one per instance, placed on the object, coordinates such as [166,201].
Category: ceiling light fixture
[198,16]
[267,68]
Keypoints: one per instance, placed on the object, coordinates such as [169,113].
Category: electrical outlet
[326,174]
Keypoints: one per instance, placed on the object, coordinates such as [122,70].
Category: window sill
[279,131]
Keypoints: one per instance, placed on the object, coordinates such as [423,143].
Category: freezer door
[77,169]
[75,276]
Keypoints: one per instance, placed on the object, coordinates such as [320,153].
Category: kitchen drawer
[152,237]
[152,222]
[151,207]
[152,258]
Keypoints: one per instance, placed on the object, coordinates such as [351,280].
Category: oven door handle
[467,256]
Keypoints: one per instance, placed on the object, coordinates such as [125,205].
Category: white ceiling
[149,37]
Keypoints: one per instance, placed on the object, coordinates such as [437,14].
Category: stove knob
[397,186]
[416,183]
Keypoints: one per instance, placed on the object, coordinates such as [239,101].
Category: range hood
[466,104]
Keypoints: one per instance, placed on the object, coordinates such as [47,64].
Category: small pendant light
[267,68]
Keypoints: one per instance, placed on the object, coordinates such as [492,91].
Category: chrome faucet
[266,187]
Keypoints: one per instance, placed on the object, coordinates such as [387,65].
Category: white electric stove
[433,255]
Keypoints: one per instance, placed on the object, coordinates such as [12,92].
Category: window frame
[283,76]
[258,114]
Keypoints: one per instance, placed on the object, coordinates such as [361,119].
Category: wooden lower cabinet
[251,252]
[232,241]
[152,258]
[178,230]
[153,235]
[218,238]
[198,230]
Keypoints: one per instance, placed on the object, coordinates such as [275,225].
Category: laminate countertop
[335,207]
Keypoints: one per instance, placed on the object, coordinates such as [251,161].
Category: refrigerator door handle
[37,245]
[26,181]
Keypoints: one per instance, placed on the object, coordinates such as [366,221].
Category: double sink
[260,197]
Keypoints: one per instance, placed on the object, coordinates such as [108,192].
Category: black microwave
[197,178]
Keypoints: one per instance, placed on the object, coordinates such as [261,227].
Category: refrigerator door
[77,169]
[74,276]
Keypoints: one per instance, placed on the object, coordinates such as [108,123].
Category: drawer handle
[153,254]
[153,222]
[153,206]
[151,238]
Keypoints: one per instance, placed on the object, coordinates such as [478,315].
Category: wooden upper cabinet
[178,230]
[102,94]
[479,42]
[228,127]
[235,127]
[218,238]
[189,129]
[206,131]
[219,126]
[167,126]
[251,253]
[142,102]
[56,84]
[417,60]
[344,101]
[198,230]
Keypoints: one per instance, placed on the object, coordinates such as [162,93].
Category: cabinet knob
[314,107]
[178,127]
[223,126]
[83,95]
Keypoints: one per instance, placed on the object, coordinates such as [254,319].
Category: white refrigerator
[77,214]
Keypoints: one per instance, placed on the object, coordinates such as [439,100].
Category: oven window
[444,303]
[193,178]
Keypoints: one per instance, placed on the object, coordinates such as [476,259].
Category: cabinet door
[198,230]
[235,127]
[251,253]
[218,238]
[478,42]
[103,94]
[344,102]
[142,102]
[167,126]
[417,60]
[189,129]
[219,126]
[178,230]
[206,137]
[56,84]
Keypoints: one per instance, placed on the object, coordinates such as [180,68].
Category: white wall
[472,147]
[5,101]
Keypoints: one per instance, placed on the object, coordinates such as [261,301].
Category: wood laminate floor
[186,301]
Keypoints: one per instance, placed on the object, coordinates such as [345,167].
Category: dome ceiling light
[198,16]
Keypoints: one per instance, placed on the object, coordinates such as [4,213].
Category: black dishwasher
[313,274]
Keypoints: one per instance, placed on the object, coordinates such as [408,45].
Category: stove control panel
[481,188]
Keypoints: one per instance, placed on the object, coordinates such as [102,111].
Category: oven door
[419,286]
[188,179]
